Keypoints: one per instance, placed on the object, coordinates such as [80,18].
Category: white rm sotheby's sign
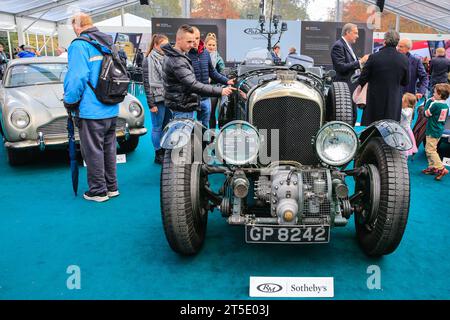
[446,162]
[290,287]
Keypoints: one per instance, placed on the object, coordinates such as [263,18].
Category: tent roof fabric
[130,20]
[433,13]
[59,10]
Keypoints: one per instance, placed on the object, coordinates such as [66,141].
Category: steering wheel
[297,67]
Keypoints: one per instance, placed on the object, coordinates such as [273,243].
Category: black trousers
[99,147]
[212,119]
[352,87]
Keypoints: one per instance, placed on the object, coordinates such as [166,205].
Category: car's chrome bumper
[49,142]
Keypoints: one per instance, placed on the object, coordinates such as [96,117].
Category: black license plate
[287,234]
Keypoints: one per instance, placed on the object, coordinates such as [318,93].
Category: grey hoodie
[153,77]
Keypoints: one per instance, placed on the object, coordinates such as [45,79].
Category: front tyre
[183,204]
[18,157]
[126,146]
[382,212]
[339,103]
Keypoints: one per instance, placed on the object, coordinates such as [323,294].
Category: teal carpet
[122,252]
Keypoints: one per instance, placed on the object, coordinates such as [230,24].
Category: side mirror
[329,76]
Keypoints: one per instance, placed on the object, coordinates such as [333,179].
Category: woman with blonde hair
[154,90]
[211,46]
[219,65]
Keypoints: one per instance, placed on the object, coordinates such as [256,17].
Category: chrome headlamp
[20,119]
[135,109]
[238,143]
[336,143]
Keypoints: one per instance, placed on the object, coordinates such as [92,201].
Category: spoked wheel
[369,184]
[381,213]
[183,202]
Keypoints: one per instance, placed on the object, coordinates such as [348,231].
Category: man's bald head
[404,46]
[80,22]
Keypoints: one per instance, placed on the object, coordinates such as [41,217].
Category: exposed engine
[297,196]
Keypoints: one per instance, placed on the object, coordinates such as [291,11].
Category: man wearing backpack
[97,119]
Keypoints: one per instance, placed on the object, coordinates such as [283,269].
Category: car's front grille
[58,128]
[297,120]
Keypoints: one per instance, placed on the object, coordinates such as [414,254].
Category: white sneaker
[113,194]
[97,198]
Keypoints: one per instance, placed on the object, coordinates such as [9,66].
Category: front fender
[178,133]
[392,133]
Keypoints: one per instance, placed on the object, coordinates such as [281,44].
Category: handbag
[360,96]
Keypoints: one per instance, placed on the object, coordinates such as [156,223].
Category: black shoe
[159,156]
[102,197]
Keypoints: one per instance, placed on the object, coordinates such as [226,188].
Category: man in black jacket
[181,88]
[439,68]
[386,71]
[345,61]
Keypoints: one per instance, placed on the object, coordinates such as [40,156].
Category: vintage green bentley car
[286,149]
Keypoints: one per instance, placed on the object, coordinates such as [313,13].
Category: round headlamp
[20,119]
[336,143]
[238,143]
[135,109]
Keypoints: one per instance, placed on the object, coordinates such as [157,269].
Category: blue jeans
[180,114]
[158,124]
[205,114]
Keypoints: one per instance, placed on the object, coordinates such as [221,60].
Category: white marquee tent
[47,16]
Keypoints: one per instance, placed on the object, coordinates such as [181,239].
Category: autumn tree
[215,9]
[292,9]
[356,11]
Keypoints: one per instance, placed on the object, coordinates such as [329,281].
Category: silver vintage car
[33,115]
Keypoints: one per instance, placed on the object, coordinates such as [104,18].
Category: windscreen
[35,74]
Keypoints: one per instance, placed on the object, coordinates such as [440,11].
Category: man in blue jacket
[27,52]
[97,121]
[204,69]
[418,78]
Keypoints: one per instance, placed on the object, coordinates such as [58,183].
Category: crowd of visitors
[394,81]
[186,80]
